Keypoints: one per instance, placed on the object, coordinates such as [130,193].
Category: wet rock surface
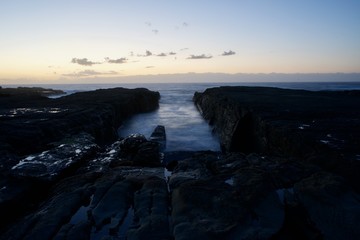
[44,140]
[31,122]
[131,189]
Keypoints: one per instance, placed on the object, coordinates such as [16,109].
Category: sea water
[186,130]
[185,127]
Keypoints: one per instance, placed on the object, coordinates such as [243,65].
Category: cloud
[83,61]
[184,49]
[147,54]
[162,55]
[149,67]
[184,25]
[229,53]
[88,73]
[202,56]
[172,53]
[148,24]
[118,61]
[155,31]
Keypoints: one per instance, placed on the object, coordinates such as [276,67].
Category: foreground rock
[43,140]
[238,196]
[315,127]
[121,202]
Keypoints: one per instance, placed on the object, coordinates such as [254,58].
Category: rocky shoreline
[270,182]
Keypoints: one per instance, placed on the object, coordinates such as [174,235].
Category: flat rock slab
[124,201]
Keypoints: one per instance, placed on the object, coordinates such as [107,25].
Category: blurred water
[185,129]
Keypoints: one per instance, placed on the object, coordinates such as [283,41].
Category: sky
[43,41]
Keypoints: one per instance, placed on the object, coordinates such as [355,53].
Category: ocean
[186,130]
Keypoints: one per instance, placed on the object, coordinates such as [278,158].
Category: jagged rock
[159,136]
[321,128]
[131,144]
[31,123]
[137,150]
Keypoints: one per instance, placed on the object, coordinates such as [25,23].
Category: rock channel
[260,187]
[302,145]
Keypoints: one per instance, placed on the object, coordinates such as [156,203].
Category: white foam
[230,181]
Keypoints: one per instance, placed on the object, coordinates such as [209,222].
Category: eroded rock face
[316,127]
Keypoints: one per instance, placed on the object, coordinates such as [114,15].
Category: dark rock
[331,205]
[151,207]
[321,128]
[53,164]
[159,136]
[62,202]
[176,156]
[81,230]
[148,154]
[136,150]
[29,91]
[30,123]
[131,144]
[225,198]
[113,205]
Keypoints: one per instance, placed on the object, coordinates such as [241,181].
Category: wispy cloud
[183,24]
[202,56]
[172,53]
[88,73]
[149,67]
[117,61]
[83,61]
[184,49]
[148,24]
[155,31]
[161,55]
[147,54]
[229,53]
